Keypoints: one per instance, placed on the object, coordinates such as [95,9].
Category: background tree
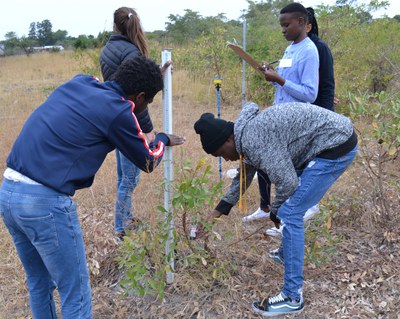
[32,31]
[44,32]
[84,42]
[11,43]
[187,28]
[59,36]
[103,37]
[26,44]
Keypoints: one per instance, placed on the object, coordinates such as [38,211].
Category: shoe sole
[274,314]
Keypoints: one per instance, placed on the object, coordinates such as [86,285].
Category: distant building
[2,53]
[48,48]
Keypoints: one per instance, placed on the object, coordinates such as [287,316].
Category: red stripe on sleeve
[159,151]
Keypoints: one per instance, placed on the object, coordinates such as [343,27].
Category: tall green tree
[187,28]
[44,32]
[32,31]
[59,36]
[11,42]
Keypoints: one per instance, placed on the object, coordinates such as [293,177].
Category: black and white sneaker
[278,305]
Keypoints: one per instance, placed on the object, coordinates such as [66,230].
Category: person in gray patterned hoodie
[304,149]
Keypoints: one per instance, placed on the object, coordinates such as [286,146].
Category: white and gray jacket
[281,139]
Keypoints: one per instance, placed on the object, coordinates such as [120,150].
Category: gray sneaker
[278,305]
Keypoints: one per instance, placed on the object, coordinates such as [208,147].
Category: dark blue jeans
[46,232]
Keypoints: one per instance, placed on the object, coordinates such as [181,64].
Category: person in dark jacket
[304,149]
[128,41]
[326,86]
[58,151]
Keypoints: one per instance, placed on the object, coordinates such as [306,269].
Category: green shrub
[143,256]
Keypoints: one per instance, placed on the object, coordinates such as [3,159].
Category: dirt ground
[360,280]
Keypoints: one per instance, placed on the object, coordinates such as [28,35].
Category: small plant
[193,194]
[143,254]
[144,260]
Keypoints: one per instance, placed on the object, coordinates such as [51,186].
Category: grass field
[352,265]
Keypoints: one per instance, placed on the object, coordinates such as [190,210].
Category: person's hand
[336,101]
[263,66]
[270,74]
[175,139]
[275,219]
[266,66]
[211,218]
[165,67]
[150,136]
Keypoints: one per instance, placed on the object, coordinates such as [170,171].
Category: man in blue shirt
[59,150]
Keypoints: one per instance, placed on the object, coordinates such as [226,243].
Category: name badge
[285,63]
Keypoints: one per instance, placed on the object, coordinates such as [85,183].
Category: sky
[94,16]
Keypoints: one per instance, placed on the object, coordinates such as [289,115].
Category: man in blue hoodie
[59,150]
[303,148]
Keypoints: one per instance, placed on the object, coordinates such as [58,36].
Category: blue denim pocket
[40,228]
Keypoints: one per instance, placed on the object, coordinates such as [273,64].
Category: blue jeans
[128,176]
[46,232]
[315,180]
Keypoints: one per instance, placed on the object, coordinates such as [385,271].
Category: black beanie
[213,132]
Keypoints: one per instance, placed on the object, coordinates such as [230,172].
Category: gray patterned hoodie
[281,139]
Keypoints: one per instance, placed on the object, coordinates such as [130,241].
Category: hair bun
[311,11]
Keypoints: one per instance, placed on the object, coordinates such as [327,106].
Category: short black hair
[140,75]
[295,7]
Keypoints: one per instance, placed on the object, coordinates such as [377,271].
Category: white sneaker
[258,214]
[311,212]
[274,232]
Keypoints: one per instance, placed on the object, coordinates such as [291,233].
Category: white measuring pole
[168,168]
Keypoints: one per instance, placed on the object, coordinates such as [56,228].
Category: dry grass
[361,281]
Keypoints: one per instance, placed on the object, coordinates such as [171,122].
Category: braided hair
[312,20]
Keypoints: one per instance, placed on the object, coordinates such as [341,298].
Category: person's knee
[291,215]
[127,186]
